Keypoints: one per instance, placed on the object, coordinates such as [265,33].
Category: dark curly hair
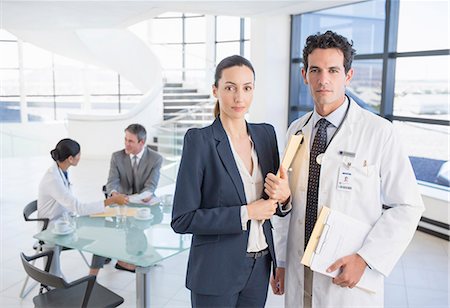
[327,40]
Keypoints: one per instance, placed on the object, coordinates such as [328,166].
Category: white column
[86,105]
[270,56]
[23,98]
[210,53]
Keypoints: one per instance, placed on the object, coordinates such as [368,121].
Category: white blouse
[253,187]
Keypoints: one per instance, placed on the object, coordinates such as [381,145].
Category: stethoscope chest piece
[319,159]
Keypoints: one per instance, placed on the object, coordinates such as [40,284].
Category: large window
[181,45]
[232,37]
[366,83]
[364,24]
[401,72]
[179,42]
[421,91]
[422,60]
[9,77]
[46,86]
[423,25]
[421,87]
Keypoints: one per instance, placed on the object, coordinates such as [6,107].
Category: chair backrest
[29,209]
[42,276]
[49,280]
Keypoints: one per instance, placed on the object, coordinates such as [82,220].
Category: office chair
[38,247]
[83,292]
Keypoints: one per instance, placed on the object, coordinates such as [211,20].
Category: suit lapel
[262,149]
[142,166]
[266,162]
[227,158]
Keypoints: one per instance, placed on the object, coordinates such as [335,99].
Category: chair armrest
[48,254]
[45,220]
[82,280]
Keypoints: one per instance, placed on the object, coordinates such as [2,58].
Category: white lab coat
[56,197]
[381,174]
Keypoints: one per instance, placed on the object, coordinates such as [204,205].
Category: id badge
[344,179]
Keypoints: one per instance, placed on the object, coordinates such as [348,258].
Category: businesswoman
[55,194]
[219,197]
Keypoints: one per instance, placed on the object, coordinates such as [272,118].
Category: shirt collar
[139,155]
[335,118]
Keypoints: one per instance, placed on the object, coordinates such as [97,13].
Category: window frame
[388,57]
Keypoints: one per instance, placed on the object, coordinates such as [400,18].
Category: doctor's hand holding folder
[334,241]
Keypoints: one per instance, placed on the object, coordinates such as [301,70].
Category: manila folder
[291,149]
[336,235]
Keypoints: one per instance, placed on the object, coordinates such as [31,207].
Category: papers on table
[336,235]
[137,198]
[112,211]
[154,201]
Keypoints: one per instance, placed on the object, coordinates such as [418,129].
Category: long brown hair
[227,63]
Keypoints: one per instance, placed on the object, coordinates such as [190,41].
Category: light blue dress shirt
[335,118]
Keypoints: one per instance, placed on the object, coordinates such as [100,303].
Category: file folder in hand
[291,149]
[336,235]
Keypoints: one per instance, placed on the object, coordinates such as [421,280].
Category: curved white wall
[123,52]
[118,50]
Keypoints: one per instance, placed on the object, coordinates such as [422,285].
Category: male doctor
[351,161]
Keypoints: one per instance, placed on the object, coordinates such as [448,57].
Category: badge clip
[348,154]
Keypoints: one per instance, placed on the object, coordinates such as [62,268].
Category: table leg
[55,267]
[142,287]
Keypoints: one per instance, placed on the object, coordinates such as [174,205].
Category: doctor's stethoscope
[300,131]
[63,177]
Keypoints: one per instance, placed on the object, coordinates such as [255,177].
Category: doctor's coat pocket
[366,181]
[198,240]
[364,171]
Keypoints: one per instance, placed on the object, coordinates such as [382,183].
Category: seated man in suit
[133,170]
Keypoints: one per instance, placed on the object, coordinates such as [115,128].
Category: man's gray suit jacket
[120,176]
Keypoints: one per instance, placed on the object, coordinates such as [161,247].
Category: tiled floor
[420,279]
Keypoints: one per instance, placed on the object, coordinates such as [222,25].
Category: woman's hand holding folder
[277,187]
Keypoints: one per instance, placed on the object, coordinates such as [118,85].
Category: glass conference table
[140,242]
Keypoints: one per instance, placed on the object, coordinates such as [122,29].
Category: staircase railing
[170,133]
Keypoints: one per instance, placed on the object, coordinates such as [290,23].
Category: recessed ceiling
[35,15]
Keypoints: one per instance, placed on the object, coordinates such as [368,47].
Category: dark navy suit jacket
[207,203]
